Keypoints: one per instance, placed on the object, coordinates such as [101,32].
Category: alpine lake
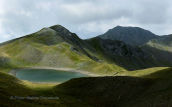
[45,75]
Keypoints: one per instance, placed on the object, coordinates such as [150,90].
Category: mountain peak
[118,26]
[127,27]
[130,35]
[61,30]
[57,26]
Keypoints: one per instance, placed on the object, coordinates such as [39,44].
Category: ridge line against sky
[86,18]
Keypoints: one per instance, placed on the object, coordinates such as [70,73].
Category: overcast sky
[86,18]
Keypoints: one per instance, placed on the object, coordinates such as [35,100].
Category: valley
[121,73]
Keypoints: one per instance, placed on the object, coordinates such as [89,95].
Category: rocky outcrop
[120,48]
[65,34]
[4,60]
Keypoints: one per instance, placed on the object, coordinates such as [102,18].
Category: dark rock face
[63,32]
[130,35]
[74,49]
[128,56]
[125,55]
[120,48]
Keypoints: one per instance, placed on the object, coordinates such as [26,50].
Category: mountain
[127,83]
[54,47]
[130,35]
[160,48]
[58,47]
[124,55]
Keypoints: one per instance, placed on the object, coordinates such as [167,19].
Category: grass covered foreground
[142,89]
[18,93]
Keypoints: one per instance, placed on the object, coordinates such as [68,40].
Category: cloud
[87,18]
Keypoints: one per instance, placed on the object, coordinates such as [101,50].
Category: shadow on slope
[16,93]
[120,91]
[165,73]
[161,55]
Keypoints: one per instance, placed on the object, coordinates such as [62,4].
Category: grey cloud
[81,1]
[24,17]
[151,12]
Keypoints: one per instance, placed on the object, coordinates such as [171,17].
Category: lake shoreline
[14,71]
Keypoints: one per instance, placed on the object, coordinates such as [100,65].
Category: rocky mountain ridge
[130,35]
[55,46]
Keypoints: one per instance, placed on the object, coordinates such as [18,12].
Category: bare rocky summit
[130,35]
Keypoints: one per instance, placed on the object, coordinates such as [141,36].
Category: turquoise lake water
[41,75]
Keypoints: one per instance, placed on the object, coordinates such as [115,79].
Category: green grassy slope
[138,90]
[23,91]
[47,47]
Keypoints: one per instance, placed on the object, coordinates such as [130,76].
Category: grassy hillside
[58,47]
[123,91]
[48,48]
[14,92]
[140,90]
